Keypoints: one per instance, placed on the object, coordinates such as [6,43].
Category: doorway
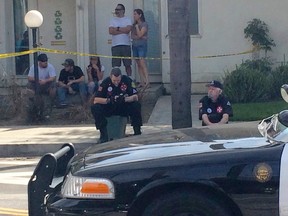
[104,10]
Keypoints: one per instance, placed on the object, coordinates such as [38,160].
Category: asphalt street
[14,176]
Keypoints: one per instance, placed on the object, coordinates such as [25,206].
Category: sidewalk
[38,140]
[162,112]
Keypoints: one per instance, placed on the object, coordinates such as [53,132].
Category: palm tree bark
[180,72]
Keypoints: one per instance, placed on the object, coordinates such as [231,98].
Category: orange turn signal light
[90,187]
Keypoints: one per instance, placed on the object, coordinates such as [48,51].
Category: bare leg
[140,71]
[128,70]
[144,71]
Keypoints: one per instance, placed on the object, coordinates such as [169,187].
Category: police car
[247,176]
[219,177]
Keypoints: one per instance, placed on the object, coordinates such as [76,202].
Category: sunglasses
[117,9]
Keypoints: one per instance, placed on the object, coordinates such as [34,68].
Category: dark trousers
[101,111]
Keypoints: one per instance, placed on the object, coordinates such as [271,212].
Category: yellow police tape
[231,54]
[89,54]
[8,55]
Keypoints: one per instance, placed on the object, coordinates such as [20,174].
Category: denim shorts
[139,50]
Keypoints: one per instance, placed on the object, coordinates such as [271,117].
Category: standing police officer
[116,96]
[214,108]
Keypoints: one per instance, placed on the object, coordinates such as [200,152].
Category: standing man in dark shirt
[116,96]
[71,80]
[214,108]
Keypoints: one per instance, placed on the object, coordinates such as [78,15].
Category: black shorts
[121,51]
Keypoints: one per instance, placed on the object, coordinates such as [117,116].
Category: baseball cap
[42,57]
[68,62]
[215,84]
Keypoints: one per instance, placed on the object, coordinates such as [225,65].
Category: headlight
[87,188]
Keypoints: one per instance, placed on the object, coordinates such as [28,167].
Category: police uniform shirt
[107,89]
[66,76]
[215,110]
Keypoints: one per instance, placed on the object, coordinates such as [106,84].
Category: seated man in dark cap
[47,77]
[214,108]
[71,80]
[116,96]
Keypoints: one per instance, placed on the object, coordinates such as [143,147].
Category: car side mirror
[284,92]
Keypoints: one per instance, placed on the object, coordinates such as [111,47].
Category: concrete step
[76,113]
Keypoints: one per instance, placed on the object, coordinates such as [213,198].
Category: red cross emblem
[123,87]
[219,109]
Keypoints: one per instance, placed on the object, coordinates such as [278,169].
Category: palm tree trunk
[180,74]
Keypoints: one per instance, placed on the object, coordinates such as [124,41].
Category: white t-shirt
[102,68]
[44,73]
[120,39]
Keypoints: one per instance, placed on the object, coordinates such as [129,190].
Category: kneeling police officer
[116,96]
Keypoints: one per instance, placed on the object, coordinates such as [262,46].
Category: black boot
[103,135]
[137,130]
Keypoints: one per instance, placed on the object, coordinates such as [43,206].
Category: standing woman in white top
[139,36]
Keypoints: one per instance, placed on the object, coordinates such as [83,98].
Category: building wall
[60,36]
[85,29]
[222,24]
[6,40]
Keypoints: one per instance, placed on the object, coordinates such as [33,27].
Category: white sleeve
[31,71]
[129,22]
[52,71]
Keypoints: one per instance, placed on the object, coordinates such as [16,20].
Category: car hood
[98,157]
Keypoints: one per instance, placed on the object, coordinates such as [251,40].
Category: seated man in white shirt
[47,77]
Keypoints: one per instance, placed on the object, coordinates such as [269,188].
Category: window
[151,12]
[194,18]
[21,36]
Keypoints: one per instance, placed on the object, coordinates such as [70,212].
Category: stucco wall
[67,10]
[222,24]
[7,66]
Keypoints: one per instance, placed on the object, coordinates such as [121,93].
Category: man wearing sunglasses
[120,28]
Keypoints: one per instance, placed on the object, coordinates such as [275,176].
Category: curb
[35,150]
[204,134]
